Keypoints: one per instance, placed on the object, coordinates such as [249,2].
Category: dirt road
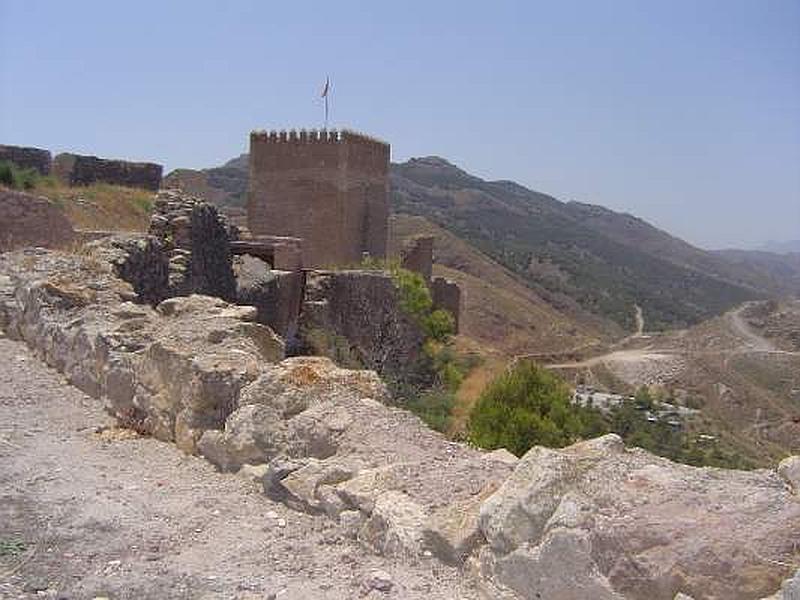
[740,327]
[86,515]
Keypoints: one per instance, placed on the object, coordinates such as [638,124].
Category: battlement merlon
[312,136]
[289,150]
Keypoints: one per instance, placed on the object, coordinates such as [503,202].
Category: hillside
[500,311]
[577,257]
[783,267]
[605,261]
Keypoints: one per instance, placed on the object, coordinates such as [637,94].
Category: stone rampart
[447,296]
[363,308]
[29,220]
[575,522]
[329,188]
[417,256]
[171,372]
[76,169]
[27,158]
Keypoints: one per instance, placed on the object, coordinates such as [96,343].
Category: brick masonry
[329,188]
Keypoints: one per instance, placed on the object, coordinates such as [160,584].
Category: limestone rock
[253,472]
[395,527]
[639,526]
[305,487]
[379,580]
[789,470]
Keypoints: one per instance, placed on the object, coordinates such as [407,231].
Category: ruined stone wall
[196,238]
[329,188]
[276,294]
[28,220]
[27,158]
[75,169]
[447,296]
[417,256]
[363,308]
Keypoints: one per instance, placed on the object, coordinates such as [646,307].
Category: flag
[326,88]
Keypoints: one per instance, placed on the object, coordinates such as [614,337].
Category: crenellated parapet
[312,136]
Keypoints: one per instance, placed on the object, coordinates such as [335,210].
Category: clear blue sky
[686,113]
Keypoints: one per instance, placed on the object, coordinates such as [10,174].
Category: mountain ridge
[567,252]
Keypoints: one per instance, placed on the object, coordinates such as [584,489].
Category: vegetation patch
[530,406]
[12,547]
[18,178]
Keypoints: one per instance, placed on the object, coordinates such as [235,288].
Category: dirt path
[740,327]
[85,515]
[639,316]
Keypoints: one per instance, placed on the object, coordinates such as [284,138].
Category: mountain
[605,261]
[578,258]
[783,267]
[225,185]
[785,247]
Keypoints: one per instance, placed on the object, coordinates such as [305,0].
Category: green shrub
[18,178]
[433,406]
[528,406]
[7,174]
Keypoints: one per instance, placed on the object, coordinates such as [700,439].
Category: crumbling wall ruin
[76,169]
[581,521]
[30,220]
[186,251]
[363,308]
[276,294]
[446,295]
[417,256]
[27,158]
[171,372]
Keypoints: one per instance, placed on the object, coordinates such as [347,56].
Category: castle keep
[329,188]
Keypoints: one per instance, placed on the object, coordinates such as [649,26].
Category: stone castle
[329,188]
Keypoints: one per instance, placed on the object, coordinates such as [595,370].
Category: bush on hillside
[529,406]
[16,177]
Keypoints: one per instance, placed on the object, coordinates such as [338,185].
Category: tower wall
[328,187]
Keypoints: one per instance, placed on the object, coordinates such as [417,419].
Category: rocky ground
[87,510]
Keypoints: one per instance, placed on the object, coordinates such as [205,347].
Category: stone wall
[447,296]
[27,158]
[276,294]
[363,308]
[76,169]
[196,238]
[329,188]
[417,256]
[592,520]
[171,372]
[28,220]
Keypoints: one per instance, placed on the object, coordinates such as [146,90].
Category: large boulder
[335,447]
[599,520]
[295,408]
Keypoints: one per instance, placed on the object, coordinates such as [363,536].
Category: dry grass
[100,206]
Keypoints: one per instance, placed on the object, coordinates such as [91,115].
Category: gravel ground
[88,511]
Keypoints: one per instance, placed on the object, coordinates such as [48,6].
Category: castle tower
[329,188]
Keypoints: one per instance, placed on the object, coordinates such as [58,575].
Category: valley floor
[89,511]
